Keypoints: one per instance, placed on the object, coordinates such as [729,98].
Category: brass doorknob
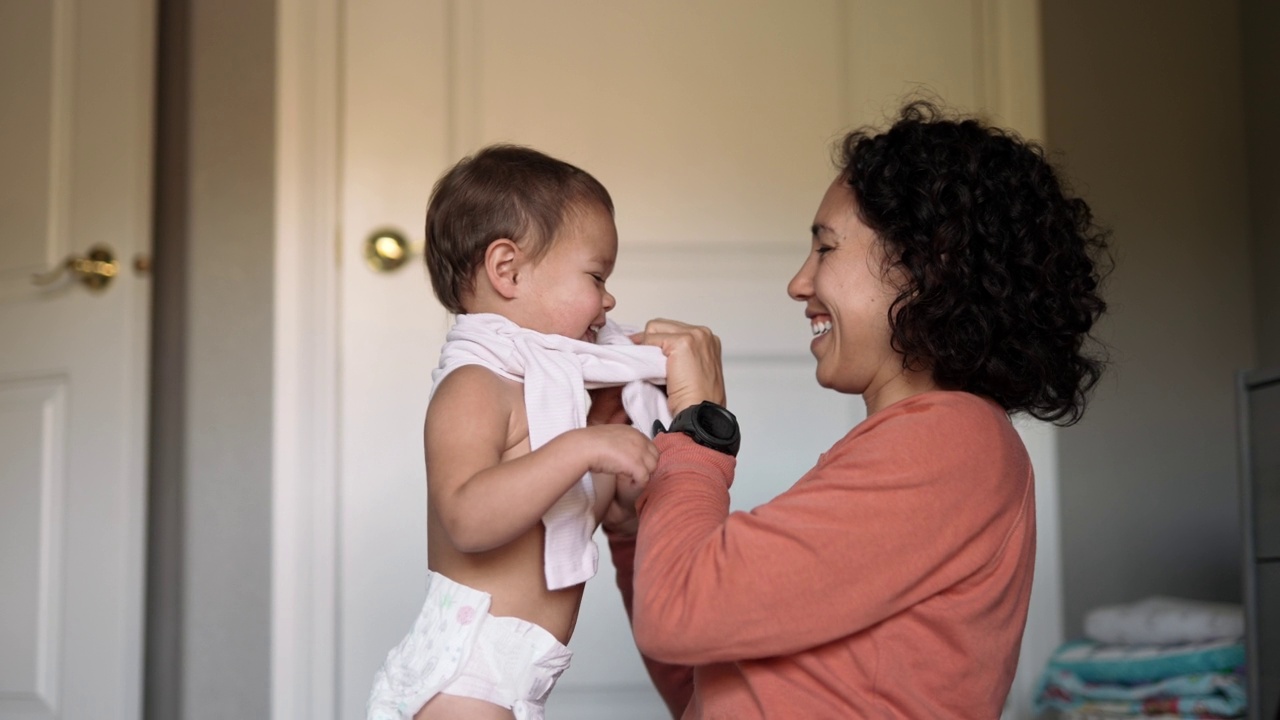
[388,249]
[95,270]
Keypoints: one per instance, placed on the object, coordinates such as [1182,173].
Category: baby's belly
[513,575]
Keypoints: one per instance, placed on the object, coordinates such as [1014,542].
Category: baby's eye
[598,277]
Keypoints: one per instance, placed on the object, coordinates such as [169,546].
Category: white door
[75,108]
[711,124]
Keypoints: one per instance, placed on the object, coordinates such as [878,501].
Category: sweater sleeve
[674,682]
[904,507]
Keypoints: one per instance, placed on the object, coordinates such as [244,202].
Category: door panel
[711,125]
[76,108]
[26,112]
[681,109]
[33,426]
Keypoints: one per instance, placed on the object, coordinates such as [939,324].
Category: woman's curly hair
[1002,266]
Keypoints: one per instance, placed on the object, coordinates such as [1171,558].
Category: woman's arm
[905,507]
[674,682]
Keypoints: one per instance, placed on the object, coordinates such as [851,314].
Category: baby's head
[515,232]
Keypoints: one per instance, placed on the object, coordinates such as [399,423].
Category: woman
[951,282]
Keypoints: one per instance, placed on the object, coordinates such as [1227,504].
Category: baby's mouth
[592,334]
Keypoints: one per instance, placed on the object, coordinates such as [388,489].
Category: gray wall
[1144,100]
[1262,133]
[209,584]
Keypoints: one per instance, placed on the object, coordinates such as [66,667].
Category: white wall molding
[305,413]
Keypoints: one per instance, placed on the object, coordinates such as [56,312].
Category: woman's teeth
[820,327]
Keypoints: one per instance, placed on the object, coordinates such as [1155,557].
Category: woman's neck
[897,388]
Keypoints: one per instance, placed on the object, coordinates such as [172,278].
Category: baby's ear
[502,266]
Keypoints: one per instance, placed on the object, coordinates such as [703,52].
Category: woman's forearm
[674,682]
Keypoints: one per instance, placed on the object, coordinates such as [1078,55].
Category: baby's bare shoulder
[475,388]
[474,403]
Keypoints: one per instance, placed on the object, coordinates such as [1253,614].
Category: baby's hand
[619,450]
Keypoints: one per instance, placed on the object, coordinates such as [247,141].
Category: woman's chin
[824,379]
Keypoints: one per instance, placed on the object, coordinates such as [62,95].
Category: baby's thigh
[456,707]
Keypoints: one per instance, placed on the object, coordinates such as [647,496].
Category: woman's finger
[694,371]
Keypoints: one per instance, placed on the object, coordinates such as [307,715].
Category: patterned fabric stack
[1158,658]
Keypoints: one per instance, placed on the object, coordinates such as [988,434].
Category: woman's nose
[801,286]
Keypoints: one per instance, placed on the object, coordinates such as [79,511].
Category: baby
[519,472]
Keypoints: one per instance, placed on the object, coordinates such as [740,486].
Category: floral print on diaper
[432,654]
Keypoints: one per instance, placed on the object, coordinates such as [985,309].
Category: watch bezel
[691,422]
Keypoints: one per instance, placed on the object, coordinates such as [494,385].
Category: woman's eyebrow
[821,229]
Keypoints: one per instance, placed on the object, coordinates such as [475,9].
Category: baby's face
[565,294]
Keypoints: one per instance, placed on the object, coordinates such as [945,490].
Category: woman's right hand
[694,369]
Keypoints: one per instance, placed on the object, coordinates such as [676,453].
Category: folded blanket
[1205,695]
[1162,620]
[1131,664]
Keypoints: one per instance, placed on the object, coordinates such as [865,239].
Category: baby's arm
[484,502]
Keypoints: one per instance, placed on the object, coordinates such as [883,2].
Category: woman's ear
[502,265]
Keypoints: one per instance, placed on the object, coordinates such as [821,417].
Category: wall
[209,589]
[1144,99]
[1261,28]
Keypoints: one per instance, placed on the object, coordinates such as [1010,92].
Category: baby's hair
[1001,265]
[502,191]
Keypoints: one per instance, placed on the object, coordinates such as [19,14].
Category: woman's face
[847,288]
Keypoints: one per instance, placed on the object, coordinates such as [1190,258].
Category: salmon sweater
[891,581]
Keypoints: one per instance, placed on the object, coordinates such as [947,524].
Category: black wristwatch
[709,424]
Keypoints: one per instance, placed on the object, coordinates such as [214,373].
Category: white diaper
[456,647]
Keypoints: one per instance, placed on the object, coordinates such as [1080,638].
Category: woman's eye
[823,249]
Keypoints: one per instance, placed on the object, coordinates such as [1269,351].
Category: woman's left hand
[694,369]
[621,520]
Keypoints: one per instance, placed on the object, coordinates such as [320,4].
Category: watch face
[716,422]
[709,425]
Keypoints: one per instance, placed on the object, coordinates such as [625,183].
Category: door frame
[305,533]
[304,612]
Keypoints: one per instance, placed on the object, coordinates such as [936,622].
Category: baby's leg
[455,707]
